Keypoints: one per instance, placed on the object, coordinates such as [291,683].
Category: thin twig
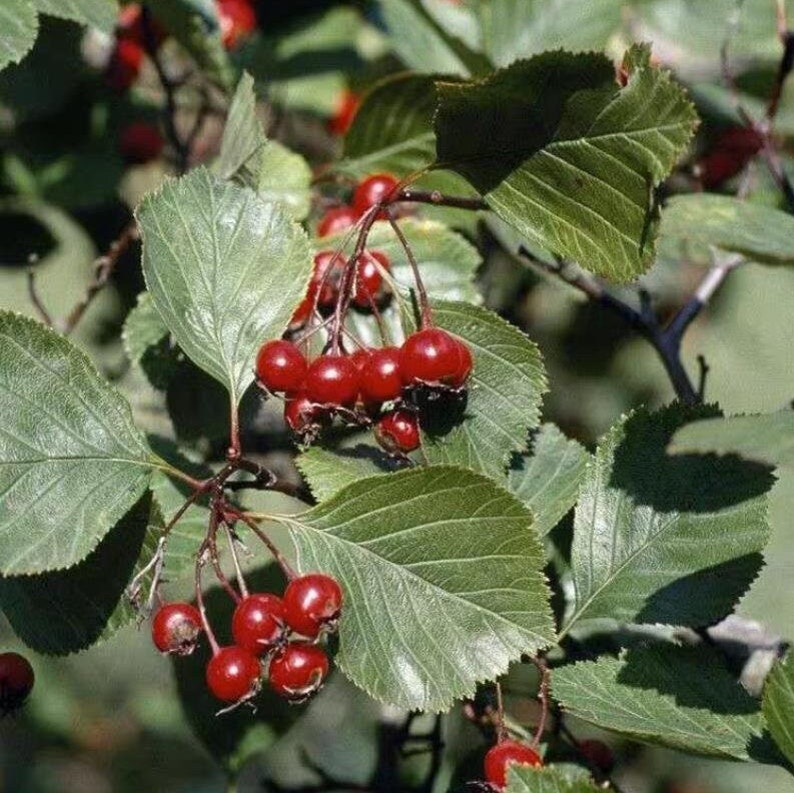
[38,304]
[238,570]
[543,698]
[437,198]
[279,557]
[426,316]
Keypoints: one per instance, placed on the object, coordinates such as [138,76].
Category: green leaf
[441,571]
[284,177]
[525,779]
[243,136]
[682,698]
[100,14]
[565,157]
[143,328]
[72,462]
[393,129]
[763,234]
[225,270]
[502,402]
[19,25]
[548,479]
[767,439]
[778,705]
[67,611]
[673,540]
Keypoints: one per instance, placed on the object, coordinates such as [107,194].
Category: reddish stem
[279,557]
[426,316]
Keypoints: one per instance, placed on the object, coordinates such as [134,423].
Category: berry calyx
[336,220]
[237,19]
[176,628]
[298,671]
[233,674]
[140,143]
[16,681]
[504,754]
[312,603]
[431,357]
[302,415]
[280,366]
[380,379]
[597,754]
[373,190]
[332,380]
[258,623]
[346,109]
[369,281]
[398,432]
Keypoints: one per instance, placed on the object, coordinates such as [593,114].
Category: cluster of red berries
[16,682]
[502,755]
[362,383]
[264,627]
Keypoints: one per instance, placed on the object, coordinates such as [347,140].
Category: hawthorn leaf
[525,779]
[19,26]
[680,697]
[761,233]
[565,157]
[778,705]
[547,480]
[660,539]
[65,611]
[225,271]
[393,128]
[72,463]
[442,575]
[491,420]
[767,439]
[243,136]
[101,14]
[143,328]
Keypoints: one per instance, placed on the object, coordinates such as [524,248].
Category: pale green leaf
[682,698]
[66,611]
[441,571]
[778,705]
[285,177]
[100,14]
[19,25]
[72,462]
[766,439]
[566,158]
[525,779]
[674,540]
[502,402]
[225,270]
[142,329]
[243,136]
[763,234]
[548,479]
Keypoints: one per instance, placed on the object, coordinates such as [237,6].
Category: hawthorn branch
[436,198]
[35,298]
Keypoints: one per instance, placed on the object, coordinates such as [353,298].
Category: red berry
[465,365]
[368,277]
[328,269]
[176,628]
[336,220]
[597,754]
[380,377]
[301,414]
[332,380]
[124,64]
[731,152]
[281,366]
[504,754]
[16,681]
[237,19]
[298,671]
[398,431]
[302,313]
[130,26]
[233,674]
[430,356]
[360,358]
[140,143]
[346,110]
[311,603]
[258,623]
[372,190]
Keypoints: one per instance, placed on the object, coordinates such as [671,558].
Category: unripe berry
[176,628]
[312,603]
[281,366]
[258,623]
[298,671]
[16,681]
[504,754]
[233,674]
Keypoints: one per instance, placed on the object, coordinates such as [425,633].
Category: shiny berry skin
[398,432]
[380,378]
[597,754]
[372,190]
[504,754]
[346,109]
[465,366]
[124,64]
[280,366]
[140,143]
[430,356]
[302,415]
[336,220]
[16,681]
[360,358]
[233,674]
[176,628]
[332,380]
[298,670]
[311,603]
[237,19]
[258,623]
[369,281]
